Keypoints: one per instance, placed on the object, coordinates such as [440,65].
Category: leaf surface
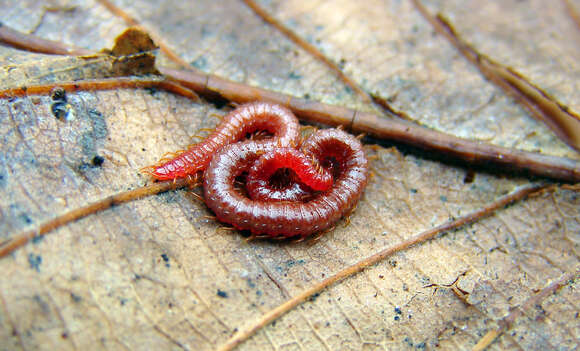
[158,274]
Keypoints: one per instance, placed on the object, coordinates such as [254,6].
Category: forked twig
[534,300]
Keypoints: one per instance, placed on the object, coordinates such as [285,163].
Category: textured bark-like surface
[158,274]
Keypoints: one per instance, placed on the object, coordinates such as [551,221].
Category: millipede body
[290,191]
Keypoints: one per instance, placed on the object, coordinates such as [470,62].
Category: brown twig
[18,240]
[532,301]
[469,151]
[29,42]
[563,121]
[311,49]
[244,333]
[103,84]
[384,103]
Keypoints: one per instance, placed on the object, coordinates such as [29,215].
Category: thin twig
[29,42]
[311,49]
[532,301]
[18,240]
[103,84]
[244,333]
[472,152]
[563,121]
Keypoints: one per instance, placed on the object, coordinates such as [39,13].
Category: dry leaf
[158,274]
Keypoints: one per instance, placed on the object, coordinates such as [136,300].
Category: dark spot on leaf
[24,217]
[34,261]
[58,94]
[152,91]
[98,161]
[469,177]
[64,335]
[413,191]
[165,259]
[294,75]
[397,318]
[93,135]
[61,110]
[222,294]
[75,297]
[37,239]
[398,310]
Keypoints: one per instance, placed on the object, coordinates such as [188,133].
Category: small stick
[469,151]
[29,42]
[103,84]
[18,240]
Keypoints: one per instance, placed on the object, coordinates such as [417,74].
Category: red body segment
[286,218]
[244,120]
[328,174]
[307,175]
